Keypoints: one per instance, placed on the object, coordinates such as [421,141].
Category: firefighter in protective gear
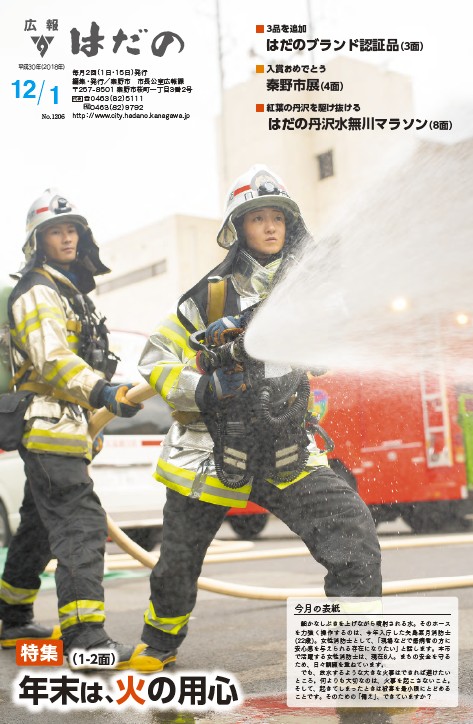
[264,232]
[61,357]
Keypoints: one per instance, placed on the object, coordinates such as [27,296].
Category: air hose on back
[262,433]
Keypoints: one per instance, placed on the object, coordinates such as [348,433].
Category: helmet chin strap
[261,258]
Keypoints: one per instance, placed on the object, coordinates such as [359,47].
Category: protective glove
[226,383]
[97,445]
[222,330]
[113,397]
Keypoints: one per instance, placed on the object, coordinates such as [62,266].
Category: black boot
[11,633]
[116,656]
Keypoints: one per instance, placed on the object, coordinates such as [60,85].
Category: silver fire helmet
[53,207]
[254,189]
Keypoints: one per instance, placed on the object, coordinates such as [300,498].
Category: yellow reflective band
[17,596]
[39,439]
[216,483]
[73,342]
[70,374]
[50,433]
[173,469]
[316,460]
[170,380]
[65,370]
[83,618]
[24,329]
[154,376]
[226,502]
[171,484]
[164,376]
[41,311]
[60,449]
[282,486]
[83,611]
[181,480]
[206,497]
[190,475]
[171,625]
[178,338]
[23,337]
[174,319]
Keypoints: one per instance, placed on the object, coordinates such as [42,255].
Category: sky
[126,174]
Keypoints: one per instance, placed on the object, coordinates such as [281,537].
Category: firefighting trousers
[322,509]
[61,517]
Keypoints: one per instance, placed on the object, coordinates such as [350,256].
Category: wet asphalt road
[247,638]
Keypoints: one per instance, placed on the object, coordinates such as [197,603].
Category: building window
[138,275]
[325,164]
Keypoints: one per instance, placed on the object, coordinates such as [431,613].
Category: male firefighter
[215,456]
[61,356]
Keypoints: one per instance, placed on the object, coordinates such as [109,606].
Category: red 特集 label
[39,652]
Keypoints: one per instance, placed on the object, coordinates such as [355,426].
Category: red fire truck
[405,442]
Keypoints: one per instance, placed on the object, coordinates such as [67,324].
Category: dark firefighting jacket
[186,463]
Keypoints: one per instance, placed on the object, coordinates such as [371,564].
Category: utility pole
[310,27]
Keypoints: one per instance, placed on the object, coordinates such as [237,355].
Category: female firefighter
[61,358]
[215,456]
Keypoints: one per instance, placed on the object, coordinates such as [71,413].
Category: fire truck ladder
[437,435]
[465,410]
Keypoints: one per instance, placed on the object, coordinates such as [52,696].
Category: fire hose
[142,392]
